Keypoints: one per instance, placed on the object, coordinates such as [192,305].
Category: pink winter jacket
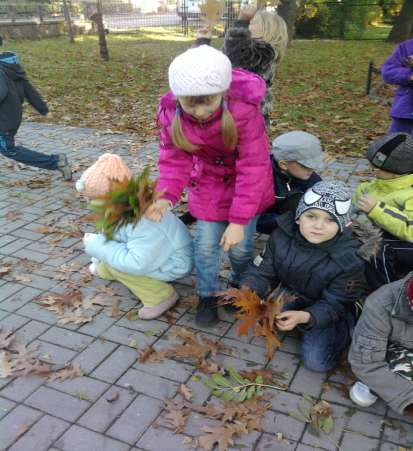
[224,185]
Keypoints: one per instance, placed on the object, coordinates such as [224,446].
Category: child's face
[295,169]
[203,109]
[256,28]
[317,226]
[385,175]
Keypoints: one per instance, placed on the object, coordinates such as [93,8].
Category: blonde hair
[228,128]
[274,31]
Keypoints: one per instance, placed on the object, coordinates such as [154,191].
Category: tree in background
[287,9]
[403,25]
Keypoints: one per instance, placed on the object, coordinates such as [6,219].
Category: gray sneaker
[64,167]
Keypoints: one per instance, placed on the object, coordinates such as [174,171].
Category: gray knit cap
[332,197]
[392,153]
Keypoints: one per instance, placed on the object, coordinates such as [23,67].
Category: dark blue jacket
[14,89]
[327,278]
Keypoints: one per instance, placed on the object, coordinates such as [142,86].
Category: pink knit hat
[94,182]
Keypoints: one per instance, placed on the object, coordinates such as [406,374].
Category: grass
[319,86]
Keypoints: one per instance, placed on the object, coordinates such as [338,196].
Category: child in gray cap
[296,156]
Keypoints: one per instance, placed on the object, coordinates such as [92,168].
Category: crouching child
[312,254]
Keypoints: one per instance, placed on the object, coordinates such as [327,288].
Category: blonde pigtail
[178,138]
[228,128]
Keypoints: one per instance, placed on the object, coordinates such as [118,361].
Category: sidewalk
[117,404]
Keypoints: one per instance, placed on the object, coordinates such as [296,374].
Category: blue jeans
[321,348]
[208,254]
[26,156]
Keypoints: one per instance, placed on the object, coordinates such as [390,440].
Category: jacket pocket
[371,349]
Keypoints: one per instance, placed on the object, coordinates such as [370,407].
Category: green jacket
[394,209]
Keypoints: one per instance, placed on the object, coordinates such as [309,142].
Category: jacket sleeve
[138,256]
[398,222]
[393,70]
[261,275]
[344,290]
[174,165]
[34,98]
[368,356]
[253,168]
[4,87]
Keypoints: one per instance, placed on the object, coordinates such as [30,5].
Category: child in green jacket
[388,202]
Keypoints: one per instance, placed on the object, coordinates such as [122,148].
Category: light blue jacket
[161,250]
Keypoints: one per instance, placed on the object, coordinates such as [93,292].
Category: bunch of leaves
[319,415]
[211,12]
[194,346]
[71,307]
[231,386]
[125,203]
[257,314]
[17,359]
[236,419]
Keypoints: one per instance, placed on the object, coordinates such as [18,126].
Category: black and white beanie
[333,197]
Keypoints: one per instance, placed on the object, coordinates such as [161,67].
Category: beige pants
[150,291]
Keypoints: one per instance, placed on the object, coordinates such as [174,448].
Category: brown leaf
[113,397]
[13,215]
[146,354]
[185,391]
[223,436]
[132,315]
[23,429]
[6,338]
[176,415]
[6,365]
[6,268]
[114,310]
[70,371]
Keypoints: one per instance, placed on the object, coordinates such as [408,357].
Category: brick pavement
[75,415]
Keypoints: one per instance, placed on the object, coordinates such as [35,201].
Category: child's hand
[233,235]
[88,237]
[204,32]
[366,203]
[291,318]
[156,211]
[247,12]
[409,61]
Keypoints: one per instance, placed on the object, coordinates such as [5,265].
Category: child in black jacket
[14,89]
[313,256]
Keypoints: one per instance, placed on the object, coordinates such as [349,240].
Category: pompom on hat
[200,71]
[95,181]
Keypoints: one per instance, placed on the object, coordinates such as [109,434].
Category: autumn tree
[287,9]
[403,26]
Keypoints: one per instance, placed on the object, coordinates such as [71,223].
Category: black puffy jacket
[327,278]
[14,88]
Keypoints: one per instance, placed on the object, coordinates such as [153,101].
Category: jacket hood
[401,308]
[9,63]
[245,86]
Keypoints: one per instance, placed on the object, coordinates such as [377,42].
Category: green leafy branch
[233,387]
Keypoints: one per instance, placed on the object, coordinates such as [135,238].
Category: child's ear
[283,165]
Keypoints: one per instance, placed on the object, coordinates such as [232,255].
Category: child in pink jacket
[213,141]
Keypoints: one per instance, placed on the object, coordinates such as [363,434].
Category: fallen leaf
[185,392]
[70,371]
[23,429]
[114,396]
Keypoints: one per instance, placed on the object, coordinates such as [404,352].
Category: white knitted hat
[200,71]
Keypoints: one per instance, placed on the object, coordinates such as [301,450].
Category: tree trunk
[287,9]
[403,26]
[68,19]
[98,18]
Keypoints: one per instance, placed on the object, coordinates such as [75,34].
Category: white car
[190,8]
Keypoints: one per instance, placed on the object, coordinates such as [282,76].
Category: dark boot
[207,312]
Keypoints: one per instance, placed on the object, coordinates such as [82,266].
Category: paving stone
[5,406]
[94,354]
[15,422]
[66,338]
[13,322]
[57,404]
[41,435]
[271,443]
[31,330]
[387,446]
[188,320]
[116,364]
[135,419]
[245,351]
[9,289]
[285,402]
[26,234]
[128,337]
[98,326]
[20,298]
[31,255]
[40,282]
[366,423]
[15,246]
[284,363]
[56,354]
[21,387]
[81,387]
[156,439]
[33,311]
[232,333]
[80,439]
[144,326]
[400,432]
[148,384]
[167,368]
[275,423]
[358,442]
[103,413]
[6,239]
[308,382]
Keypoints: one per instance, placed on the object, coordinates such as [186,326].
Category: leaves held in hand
[257,314]
[319,415]
[125,203]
